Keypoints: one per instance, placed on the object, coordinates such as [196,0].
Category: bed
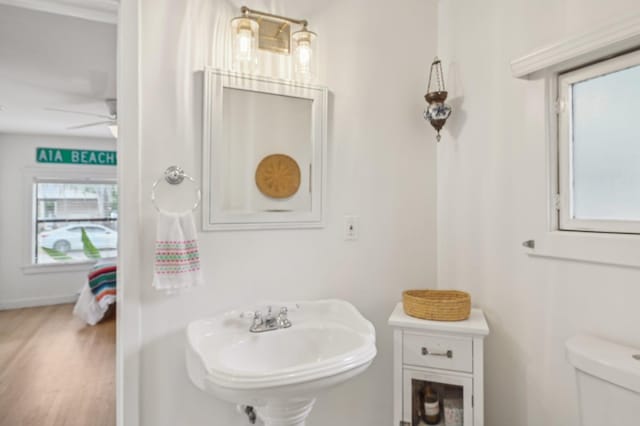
[98,293]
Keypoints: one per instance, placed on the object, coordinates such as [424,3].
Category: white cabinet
[440,358]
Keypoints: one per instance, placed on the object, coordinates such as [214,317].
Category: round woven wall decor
[278,176]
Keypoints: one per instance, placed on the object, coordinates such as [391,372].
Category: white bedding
[87,308]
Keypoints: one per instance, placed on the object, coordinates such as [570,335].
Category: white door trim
[128,334]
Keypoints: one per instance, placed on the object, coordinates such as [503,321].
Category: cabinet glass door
[434,398]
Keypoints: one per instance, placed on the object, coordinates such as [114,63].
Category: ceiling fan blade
[79,112]
[99,123]
[112,105]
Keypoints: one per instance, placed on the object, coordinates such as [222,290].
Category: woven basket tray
[437,305]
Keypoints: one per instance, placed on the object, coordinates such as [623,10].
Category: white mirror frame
[214,218]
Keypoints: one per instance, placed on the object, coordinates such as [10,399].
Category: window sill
[58,267]
[610,249]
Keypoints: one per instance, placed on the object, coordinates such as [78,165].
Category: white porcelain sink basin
[279,372]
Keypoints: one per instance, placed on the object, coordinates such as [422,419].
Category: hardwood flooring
[55,370]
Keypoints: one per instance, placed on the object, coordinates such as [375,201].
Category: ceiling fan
[110,120]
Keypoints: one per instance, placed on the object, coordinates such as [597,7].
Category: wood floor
[55,370]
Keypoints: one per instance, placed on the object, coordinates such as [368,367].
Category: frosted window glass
[606,146]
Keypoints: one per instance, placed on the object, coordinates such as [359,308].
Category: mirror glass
[264,153]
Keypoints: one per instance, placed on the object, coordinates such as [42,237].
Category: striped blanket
[102,282]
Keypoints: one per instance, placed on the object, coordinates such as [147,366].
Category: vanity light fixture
[255,30]
[438,111]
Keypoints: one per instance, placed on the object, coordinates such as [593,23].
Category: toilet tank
[608,379]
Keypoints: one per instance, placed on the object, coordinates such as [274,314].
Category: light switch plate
[351,228]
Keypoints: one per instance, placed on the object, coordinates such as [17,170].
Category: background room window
[599,147]
[63,208]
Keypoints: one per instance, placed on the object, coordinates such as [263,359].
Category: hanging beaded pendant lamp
[438,111]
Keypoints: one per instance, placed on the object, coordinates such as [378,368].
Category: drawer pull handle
[448,354]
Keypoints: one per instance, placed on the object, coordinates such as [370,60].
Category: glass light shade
[245,45]
[437,111]
[303,55]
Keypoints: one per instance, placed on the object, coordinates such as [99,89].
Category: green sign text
[76,156]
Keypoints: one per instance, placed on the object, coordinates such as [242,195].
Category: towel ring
[174,175]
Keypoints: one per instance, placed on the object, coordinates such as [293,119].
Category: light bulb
[244,44]
[304,54]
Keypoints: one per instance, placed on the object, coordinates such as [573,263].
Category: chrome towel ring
[174,175]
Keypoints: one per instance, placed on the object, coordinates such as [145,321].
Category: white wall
[18,152]
[491,197]
[381,167]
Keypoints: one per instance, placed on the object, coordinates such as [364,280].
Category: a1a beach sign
[76,156]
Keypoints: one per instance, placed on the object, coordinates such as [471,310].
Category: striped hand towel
[177,261]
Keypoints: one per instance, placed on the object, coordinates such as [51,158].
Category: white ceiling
[55,61]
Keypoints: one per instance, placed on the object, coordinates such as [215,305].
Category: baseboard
[36,301]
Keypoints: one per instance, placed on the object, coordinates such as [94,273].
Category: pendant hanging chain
[439,78]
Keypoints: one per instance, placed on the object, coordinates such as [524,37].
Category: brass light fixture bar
[274,33]
[256,13]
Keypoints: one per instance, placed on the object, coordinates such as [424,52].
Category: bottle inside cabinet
[436,403]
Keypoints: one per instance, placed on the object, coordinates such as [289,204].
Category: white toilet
[608,378]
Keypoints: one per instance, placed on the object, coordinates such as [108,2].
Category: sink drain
[636,357]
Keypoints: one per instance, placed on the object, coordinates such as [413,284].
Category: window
[62,208]
[599,147]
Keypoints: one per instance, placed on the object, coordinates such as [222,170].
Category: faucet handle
[283,321]
[257,318]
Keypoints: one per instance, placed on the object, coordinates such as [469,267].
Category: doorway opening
[59,213]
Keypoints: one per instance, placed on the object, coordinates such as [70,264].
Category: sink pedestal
[285,413]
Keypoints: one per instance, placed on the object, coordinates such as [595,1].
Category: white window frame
[545,239]
[564,201]
[31,175]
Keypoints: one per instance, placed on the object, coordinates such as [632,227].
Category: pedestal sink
[279,372]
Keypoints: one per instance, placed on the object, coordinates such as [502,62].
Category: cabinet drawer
[451,353]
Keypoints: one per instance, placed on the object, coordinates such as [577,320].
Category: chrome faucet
[269,322]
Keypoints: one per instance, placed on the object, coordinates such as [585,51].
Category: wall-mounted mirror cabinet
[264,160]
